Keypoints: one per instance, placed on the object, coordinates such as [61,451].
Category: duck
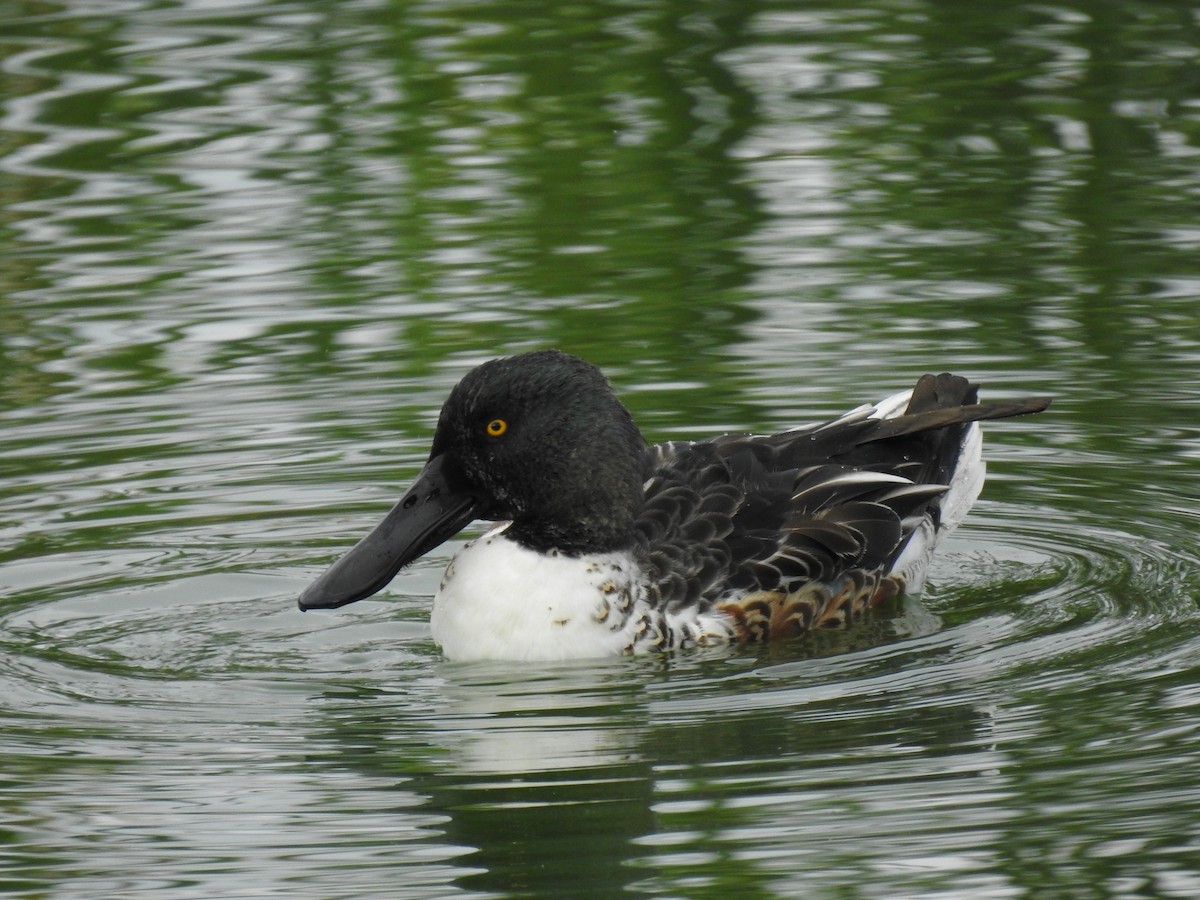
[606,545]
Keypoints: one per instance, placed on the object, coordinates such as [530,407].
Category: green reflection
[571,167]
[245,252]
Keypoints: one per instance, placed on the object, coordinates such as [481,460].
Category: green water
[245,250]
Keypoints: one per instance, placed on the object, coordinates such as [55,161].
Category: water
[247,250]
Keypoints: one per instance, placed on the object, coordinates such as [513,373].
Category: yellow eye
[497,427]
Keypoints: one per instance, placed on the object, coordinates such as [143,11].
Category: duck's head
[540,439]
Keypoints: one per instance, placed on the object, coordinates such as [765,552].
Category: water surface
[246,250]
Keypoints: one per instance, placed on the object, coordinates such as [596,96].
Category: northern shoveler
[610,546]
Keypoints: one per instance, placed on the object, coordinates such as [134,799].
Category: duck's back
[808,528]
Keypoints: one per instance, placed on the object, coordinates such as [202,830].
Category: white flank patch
[965,485]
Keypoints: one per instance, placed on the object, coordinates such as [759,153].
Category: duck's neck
[573,536]
[589,506]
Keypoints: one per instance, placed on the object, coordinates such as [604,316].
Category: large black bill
[428,514]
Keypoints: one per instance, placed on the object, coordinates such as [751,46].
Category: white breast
[499,600]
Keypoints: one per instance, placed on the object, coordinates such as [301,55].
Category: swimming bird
[607,545]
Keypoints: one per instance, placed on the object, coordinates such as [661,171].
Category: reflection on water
[246,251]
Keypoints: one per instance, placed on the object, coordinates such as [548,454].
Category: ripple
[1016,595]
[248,250]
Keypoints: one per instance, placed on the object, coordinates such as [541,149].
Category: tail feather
[945,408]
[943,400]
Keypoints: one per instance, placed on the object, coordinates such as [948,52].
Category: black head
[542,439]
